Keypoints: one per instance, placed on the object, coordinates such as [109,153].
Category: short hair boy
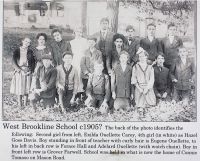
[183,75]
[98,89]
[132,44]
[151,44]
[122,92]
[67,82]
[162,79]
[91,55]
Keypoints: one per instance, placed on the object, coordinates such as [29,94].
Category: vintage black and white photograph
[105,60]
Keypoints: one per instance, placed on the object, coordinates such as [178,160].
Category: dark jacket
[170,50]
[132,49]
[47,77]
[30,58]
[87,62]
[99,85]
[152,48]
[58,48]
[121,81]
[162,80]
[113,59]
[104,45]
[183,73]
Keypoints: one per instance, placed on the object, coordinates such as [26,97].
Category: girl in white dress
[24,65]
[78,46]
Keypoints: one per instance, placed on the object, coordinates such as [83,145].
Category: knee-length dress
[143,78]
[23,60]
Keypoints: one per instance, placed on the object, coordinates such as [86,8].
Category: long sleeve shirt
[152,47]
[73,79]
[99,85]
[162,80]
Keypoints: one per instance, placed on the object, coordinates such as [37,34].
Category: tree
[176,8]
[113,12]
[84,16]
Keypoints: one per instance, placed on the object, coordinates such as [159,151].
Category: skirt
[145,100]
[21,83]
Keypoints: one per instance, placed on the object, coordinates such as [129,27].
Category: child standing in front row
[122,92]
[143,79]
[182,74]
[98,89]
[67,82]
[24,65]
[162,82]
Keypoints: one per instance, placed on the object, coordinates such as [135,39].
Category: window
[60,10]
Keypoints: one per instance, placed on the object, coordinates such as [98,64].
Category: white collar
[151,38]
[123,67]
[171,39]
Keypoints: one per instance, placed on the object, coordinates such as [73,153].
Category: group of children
[110,80]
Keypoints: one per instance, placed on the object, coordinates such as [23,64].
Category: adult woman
[24,65]
[118,47]
[143,79]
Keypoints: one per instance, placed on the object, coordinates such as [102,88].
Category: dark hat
[46,56]
[92,38]
[118,36]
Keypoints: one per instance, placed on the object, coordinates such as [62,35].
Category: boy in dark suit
[150,43]
[122,92]
[104,40]
[98,89]
[170,45]
[132,44]
[162,79]
[183,76]
[44,84]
